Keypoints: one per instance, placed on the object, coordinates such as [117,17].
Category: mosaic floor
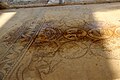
[61,43]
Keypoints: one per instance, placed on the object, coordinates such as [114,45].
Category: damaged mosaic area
[37,49]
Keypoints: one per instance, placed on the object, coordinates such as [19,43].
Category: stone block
[3,5]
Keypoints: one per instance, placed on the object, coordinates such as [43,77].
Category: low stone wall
[32,3]
[87,1]
[81,1]
[3,5]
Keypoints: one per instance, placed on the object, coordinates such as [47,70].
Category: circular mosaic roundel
[106,48]
[74,33]
[100,33]
[117,31]
[72,50]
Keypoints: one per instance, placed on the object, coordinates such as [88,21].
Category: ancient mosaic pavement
[60,48]
[38,48]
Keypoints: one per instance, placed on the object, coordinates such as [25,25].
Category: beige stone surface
[78,42]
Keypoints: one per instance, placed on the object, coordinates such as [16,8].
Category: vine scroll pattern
[36,48]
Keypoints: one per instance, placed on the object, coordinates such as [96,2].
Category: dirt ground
[78,42]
